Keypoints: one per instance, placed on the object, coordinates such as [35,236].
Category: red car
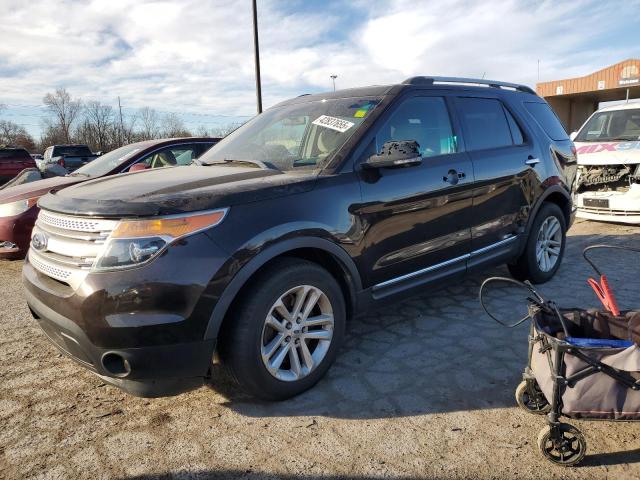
[18,204]
[13,161]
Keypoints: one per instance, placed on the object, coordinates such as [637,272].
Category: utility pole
[121,124]
[256,51]
[333,77]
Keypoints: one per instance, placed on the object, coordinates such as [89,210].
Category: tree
[149,123]
[64,111]
[98,122]
[15,135]
[173,126]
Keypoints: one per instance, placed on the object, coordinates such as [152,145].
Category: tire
[527,266]
[531,399]
[247,339]
[567,450]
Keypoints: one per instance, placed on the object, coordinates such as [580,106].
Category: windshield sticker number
[337,124]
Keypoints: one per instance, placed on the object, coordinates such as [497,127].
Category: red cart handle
[604,294]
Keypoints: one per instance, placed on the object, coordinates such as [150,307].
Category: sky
[195,57]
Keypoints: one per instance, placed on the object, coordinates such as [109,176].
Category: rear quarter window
[547,119]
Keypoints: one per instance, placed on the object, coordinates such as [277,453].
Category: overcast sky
[195,57]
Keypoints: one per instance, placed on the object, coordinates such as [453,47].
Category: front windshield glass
[107,162]
[291,137]
[611,125]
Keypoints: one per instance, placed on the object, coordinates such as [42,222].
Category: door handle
[532,161]
[453,176]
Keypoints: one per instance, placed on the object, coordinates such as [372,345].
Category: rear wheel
[286,330]
[545,246]
[531,399]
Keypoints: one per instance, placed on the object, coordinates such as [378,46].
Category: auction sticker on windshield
[337,124]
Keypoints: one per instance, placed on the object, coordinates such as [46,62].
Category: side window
[423,119]
[516,132]
[547,119]
[485,123]
[171,156]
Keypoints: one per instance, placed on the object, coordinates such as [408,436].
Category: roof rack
[467,81]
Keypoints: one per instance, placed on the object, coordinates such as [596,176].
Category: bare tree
[99,118]
[15,135]
[173,126]
[149,123]
[64,109]
[202,131]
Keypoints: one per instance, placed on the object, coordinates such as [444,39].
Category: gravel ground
[422,389]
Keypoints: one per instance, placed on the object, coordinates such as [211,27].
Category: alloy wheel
[297,333]
[549,244]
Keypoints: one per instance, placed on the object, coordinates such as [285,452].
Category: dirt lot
[422,389]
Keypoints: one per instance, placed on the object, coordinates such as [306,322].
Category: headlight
[134,242]
[16,208]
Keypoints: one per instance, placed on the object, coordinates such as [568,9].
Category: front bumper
[151,371]
[142,329]
[611,206]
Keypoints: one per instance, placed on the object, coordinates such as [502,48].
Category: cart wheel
[531,399]
[563,444]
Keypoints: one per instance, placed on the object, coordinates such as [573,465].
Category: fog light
[8,246]
[116,364]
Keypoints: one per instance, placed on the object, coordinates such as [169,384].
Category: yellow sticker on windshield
[360,113]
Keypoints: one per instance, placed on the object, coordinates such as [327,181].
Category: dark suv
[315,210]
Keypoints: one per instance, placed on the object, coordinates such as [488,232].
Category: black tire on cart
[531,399]
[563,444]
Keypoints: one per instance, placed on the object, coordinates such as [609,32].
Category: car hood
[37,188]
[608,153]
[172,190]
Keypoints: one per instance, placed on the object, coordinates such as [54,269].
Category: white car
[608,180]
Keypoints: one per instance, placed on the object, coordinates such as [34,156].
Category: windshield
[612,125]
[290,137]
[80,151]
[107,162]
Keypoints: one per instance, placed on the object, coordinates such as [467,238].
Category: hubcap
[297,333]
[549,244]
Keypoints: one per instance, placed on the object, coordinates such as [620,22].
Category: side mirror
[573,135]
[138,167]
[403,153]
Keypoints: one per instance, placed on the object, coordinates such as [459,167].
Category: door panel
[413,217]
[499,148]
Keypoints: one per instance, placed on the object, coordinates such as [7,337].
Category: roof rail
[467,81]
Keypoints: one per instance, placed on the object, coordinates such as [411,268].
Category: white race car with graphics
[608,181]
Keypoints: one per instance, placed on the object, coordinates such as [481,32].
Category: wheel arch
[318,250]
[554,194]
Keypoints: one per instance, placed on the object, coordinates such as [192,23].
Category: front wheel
[545,246]
[562,444]
[285,331]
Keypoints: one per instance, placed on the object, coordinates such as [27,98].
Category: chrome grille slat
[87,237]
[72,245]
[78,224]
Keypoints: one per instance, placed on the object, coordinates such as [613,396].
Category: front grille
[71,245]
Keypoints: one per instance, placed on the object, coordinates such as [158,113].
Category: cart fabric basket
[598,395]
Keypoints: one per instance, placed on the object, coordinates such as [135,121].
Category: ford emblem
[39,241]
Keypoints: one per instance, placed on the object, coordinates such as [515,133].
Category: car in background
[608,181]
[70,157]
[12,162]
[18,204]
